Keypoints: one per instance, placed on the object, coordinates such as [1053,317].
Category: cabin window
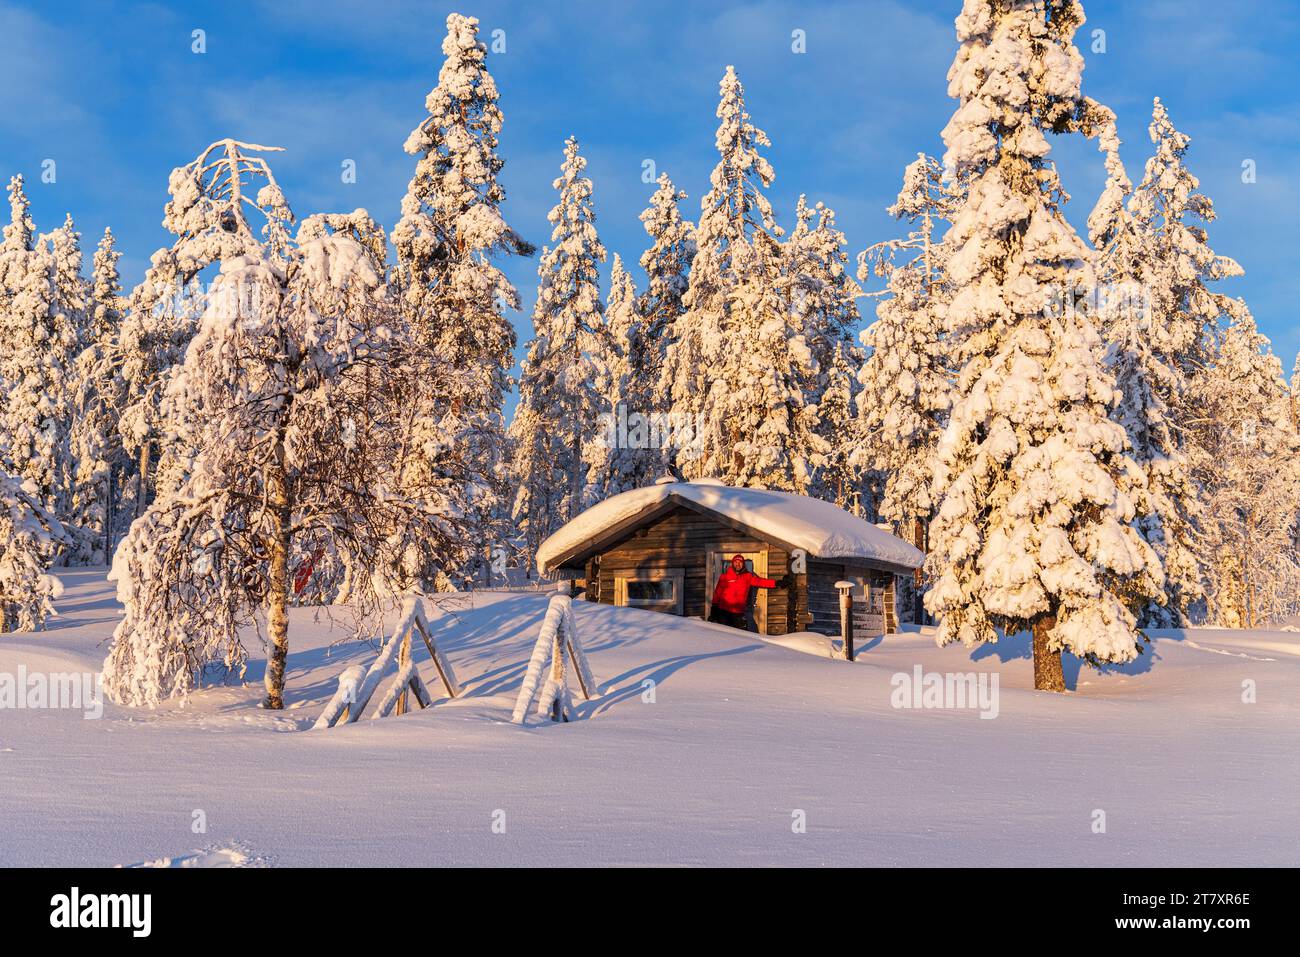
[656,589]
[641,591]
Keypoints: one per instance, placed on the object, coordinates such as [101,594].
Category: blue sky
[113,94]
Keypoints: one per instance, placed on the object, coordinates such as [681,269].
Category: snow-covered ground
[742,735]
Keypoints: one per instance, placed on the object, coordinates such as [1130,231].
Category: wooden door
[755,562]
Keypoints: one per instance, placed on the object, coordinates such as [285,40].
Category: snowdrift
[698,747]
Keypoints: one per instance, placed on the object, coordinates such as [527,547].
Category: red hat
[737,555]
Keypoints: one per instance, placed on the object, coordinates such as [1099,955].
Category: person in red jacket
[731,594]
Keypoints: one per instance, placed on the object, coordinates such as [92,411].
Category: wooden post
[582,682]
[448,681]
[403,657]
[557,676]
[846,617]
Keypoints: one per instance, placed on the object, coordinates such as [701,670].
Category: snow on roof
[821,529]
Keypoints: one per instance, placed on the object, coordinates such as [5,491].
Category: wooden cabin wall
[824,597]
[778,599]
[682,539]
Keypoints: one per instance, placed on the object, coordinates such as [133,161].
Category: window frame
[674,605]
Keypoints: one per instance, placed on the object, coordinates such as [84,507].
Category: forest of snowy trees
[1084,434]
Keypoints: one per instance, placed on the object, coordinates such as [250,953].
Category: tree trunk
[1047,664]
[920,532]
[110,507]
[278,595]
[143,482]
[575,479]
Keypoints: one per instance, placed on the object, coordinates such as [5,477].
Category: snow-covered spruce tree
[30,535]
[839,479]
[1148,355]
[825,293]
[447,242]
[667,265]
[733,211]
[298,445]
[36,339]
[105,291]
[907,378]
[212,199]
[1171,259]
[71,291]
[825,310]
[1171,216]
[763,432]
[619,456]
[1295,392]
[19,242]
[1036,523]
[71,320]
[20,231]
[1249,471]
[559,405]
[99,508]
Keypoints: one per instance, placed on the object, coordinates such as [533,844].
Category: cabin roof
[792,521]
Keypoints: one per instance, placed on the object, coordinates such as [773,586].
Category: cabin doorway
[755,562]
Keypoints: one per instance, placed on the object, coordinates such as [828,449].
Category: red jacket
[732,591]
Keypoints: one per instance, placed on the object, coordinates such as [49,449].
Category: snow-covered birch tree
[298,444]
[1035,528]
[215,215]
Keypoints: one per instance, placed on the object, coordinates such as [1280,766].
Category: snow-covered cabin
[663,547]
